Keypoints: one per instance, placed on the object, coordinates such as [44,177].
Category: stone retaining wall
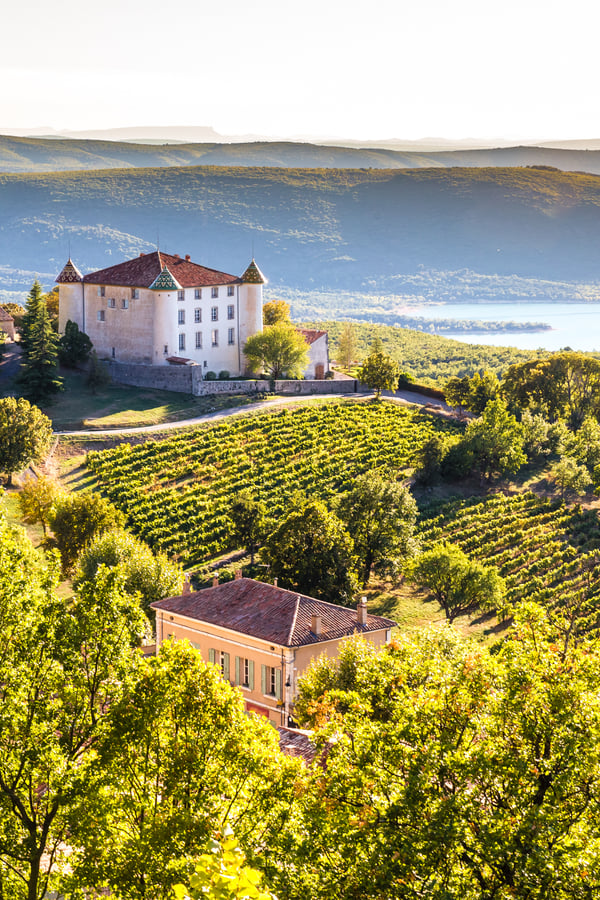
[188,380]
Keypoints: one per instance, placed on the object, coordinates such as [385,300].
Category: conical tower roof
[70,274]
[165,282]
[253,275]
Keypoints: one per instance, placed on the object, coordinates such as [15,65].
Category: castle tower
[165,287]
[251,302]
[70,297]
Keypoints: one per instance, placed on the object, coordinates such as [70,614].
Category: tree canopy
[77,519]
[278,350]
[275,311]
[74,346]
[25,435]
[38,376]
[379,371]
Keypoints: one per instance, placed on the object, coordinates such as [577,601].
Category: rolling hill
[364,230]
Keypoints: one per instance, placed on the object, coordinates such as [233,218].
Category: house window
[230,290]
[181,295]
[214,292]
[197,315]
[181,316]
[221,659]
[111,303]
[197,293]
[102,292]
[100,315]
[271,681]
[214,314]
[214,337]
[124,303]
[198,340]
[135,294]
[182,341]
[231,335]
[244,672]
[230,311]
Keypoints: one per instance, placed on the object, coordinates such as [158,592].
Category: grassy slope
[345,228]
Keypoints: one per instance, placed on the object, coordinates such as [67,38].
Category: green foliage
[177,492]
[248,522]
[278,350]
[379,371]
[472,393]
[74,347]
[570,477]
[458,584]
[77,519]
[495,441]
[25,435]
[310,551]
[98,375]
[562,385]
[179,758]
[220,874]
[16,311]
[223,375]
[210,376]
[150,576]
[275,311]
[380,517]
[37,500]
[346,349]
[429,459]
[38,377]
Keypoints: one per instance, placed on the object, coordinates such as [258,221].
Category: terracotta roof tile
[270,613]
[296,743]
[310,334]
[144,269]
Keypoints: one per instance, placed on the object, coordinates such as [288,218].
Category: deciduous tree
[279,351]
[248,522]
[77,519]
[25,435]
[347,346]
[37,500]
[310,551]
[379,371]
[495,441]
[380,517]
[275,311]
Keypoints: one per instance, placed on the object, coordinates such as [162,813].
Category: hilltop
[312,229]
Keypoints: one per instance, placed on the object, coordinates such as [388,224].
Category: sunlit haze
[523,69]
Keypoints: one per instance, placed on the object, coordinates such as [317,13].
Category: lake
[575,325]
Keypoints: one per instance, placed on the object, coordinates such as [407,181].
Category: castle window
[197,293]
[198,340]
[231,335]
[181,295]
[100,315]
[214,292]
[102,292]
[206,364]
[181,316]
[230,311]
[166,349]
[124,303]
[135,294]
[111,303]
[230,290]
[214,314]
[113,353]
[182,341]
[214,337]
[197,315]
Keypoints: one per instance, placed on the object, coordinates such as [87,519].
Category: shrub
[223,375]
[210,376]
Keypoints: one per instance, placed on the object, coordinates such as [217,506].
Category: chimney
[315,624]
[238,574]
[142,254]
[176,255]
[274,582]
[361,611]
[215,580]
[187,257]
[186,585]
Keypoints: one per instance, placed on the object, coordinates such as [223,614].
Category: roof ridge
[293,625]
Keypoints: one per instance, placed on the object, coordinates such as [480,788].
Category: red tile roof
[143,270]
[270,613]
[310,335]
[296,743]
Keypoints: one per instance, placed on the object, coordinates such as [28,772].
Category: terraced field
[177,492]
[547,552]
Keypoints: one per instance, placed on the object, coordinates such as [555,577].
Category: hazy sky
[378,69]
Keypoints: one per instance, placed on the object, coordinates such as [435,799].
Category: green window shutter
[237,670]
[251,674]
[263,679]
[212,654]
[226,665]
[278,683]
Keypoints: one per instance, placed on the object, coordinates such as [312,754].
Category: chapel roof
[70,274]
[253,275]
[270,613]
[142,271]
[311,335]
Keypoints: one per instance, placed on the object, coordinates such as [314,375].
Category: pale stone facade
[160,309]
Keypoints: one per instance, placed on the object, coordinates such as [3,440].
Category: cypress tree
[39,372]
[31,305]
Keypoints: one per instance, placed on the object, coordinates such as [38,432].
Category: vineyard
[546,552]
[177,492]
